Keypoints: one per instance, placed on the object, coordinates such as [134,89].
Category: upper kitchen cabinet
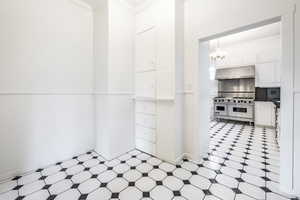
[267,74]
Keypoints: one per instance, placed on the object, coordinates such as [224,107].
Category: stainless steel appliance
[235,73]
[236,108]
[267,94]
[236,93]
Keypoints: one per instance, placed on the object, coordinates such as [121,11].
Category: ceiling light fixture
[218,54]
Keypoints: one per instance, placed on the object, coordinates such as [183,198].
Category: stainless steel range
[236,108]
[236,90]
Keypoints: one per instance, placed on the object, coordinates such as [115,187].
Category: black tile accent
[265,189]
[69,177]
[132,167]
[194,173]
[42,177]
[123,161]
[115,195]
[266,178]
[75,186]
[110,168]
[94,176]
[169,174]
[131,184]
[39,170]
[144,174]
[144,161]
[86,169]
[186,182]
[155,167]
[46,187]
[146,194]
[120,175]
[16,178]
[63,169]
[242,171]
[240,180]
[95,157]
[207,192]
[20,197]
[17,187]
[176,193]
[80,163]
[59,163]
[159,182]
[213,180]
[266,170]
[83,197]
[103,185]
[51,197]
[236,190]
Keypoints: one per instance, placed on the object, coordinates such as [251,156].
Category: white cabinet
[267,74]
[264,114]
[145,50]
[145,90]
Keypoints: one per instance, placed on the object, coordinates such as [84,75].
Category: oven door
[241,111]
[221,109]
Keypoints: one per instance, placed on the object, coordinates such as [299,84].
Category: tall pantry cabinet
[159,79]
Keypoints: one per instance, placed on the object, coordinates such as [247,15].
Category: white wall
[114,57]
[46,83]
[212,17]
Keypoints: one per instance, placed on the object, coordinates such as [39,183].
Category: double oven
[236,92]
[239,109]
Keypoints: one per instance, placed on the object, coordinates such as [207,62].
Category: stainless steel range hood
[235,73]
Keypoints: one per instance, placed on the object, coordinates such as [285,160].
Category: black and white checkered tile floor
[242,164]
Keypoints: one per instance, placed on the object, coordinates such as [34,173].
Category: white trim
[287,170]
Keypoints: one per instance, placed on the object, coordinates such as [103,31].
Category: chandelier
[218,54]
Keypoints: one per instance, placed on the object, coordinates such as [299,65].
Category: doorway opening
[241,69]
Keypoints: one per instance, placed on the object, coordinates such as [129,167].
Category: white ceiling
[253,34]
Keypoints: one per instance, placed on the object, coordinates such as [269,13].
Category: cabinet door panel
[145,133]
[145,107]
[147,121]
[264,114]
[267,74]
[145,146]
[145,84]
[145,50]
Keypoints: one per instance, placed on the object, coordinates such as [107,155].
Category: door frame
[287,146]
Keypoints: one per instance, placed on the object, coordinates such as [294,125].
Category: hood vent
[235,73]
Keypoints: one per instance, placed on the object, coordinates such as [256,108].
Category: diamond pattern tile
[242,164]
